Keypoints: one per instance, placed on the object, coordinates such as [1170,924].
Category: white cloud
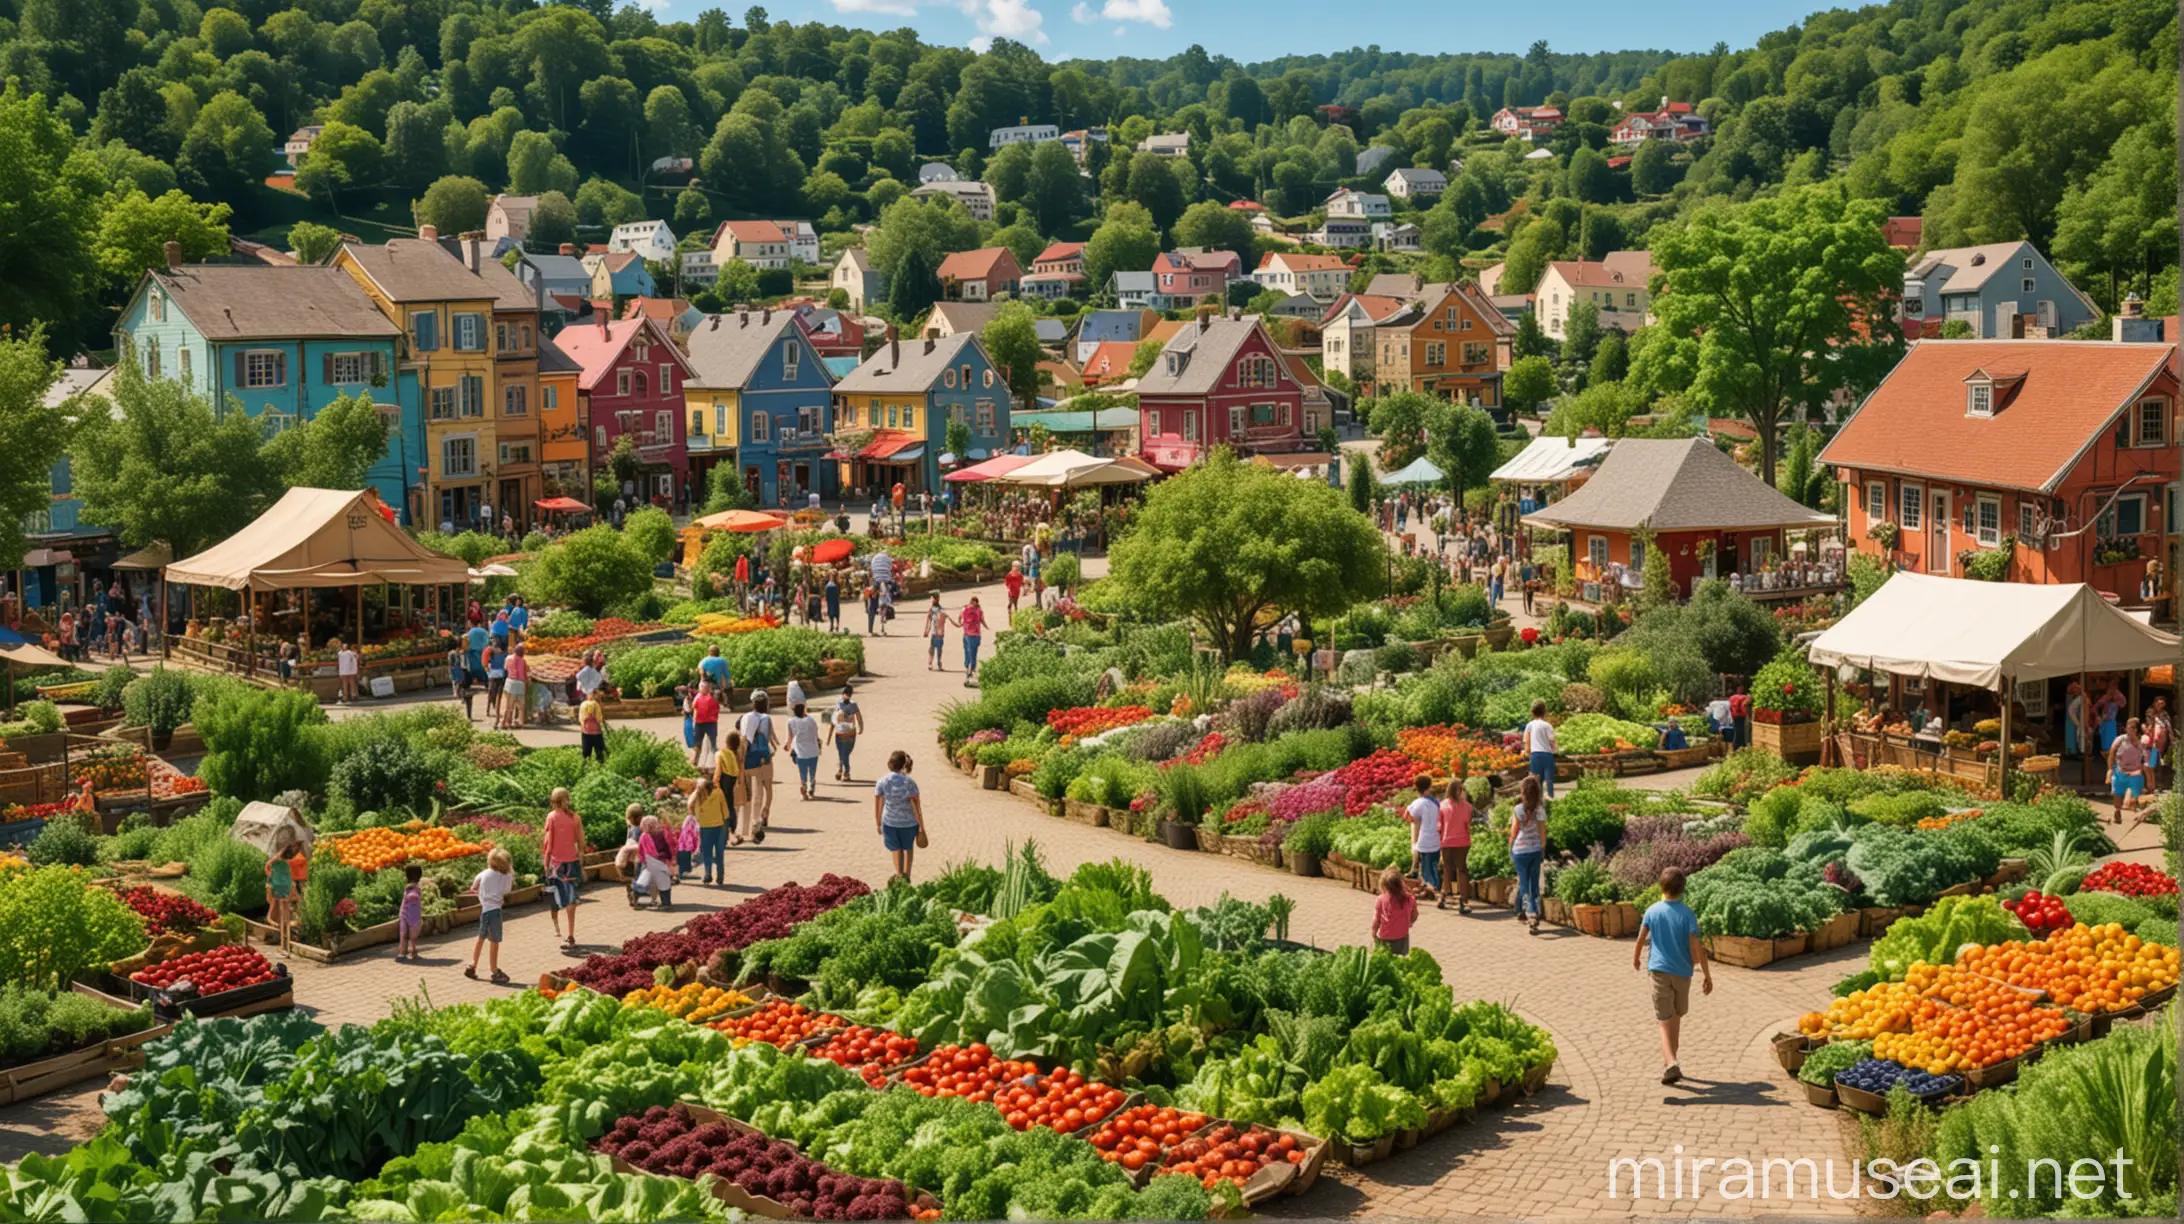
[898,8]
[1005,19]
[1154,13]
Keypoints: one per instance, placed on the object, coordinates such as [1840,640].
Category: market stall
[1548,469]
[1683,503]
[1420,471]
[302,569]
[999,465]
[1070,469]
[2005,638]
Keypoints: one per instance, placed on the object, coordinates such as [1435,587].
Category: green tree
[165,467]
[692,210]
[1400,422]
[932,229]
[1054,190]
[725,490]
[1217,227]
[1778,291]
[259,743]
[958,438]
[592,570]
[344,155]
[1529,383]
[1153,185]
[1591,181]
[1125,242]
[1611,359]
[33,436]
[2032,132]
[1581,335]
[553,222]
[1531,339]
[1361,487]
[915,284]
[1653,168]
[1227,541]
[1011,340]
[535,166]
[1460,440]
[332,449]
[134,229]
[1529,254]
[605,204]
[652,531]
[313,243]
[454,205]
[228,149]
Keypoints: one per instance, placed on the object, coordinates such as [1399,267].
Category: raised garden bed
[26,1081]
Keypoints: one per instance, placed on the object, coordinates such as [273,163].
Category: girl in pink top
[1393,912]
[1456,813]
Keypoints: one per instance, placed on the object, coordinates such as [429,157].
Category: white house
[976,198]
[1322,277]
[299,142]
[1023,133]
[1617,286]
[651,240]
[1413,182]
[1396,236]
[803,240]
[509,216]
[1343,233]
[1358,205]
[1171,144]
[855,275]
[698,268]
[760,244]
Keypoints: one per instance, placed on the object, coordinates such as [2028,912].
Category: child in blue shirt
[1668,945]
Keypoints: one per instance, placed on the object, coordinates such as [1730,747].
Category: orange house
[2064,452]
[564,434]
[1453,344]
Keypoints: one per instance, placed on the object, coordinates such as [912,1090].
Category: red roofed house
[1219,382]
[1526,122]
[1247,206]
[1903,233]
[1182,277]
[2063,451]
[979,276]
[1109,363]
[631,383]
[1674,121]
[1057,272]
[760,244]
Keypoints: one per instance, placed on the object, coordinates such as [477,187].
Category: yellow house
[445,311]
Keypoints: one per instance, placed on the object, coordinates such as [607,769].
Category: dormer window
[1175,364]
[1979,399]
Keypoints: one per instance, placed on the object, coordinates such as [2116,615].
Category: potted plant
[1183,806]
[1785,690]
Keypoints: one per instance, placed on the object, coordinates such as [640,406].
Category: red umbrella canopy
[828,552]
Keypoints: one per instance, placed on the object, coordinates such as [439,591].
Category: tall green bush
[259,743]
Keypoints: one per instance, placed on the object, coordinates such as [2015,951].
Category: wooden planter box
[990,777]
[1790,945]
[39,749]
[1209,839]
[1555,910]
[1023,789]
[1874,920]
[1796,743]
[1336,867]
[35,1079]
[1741,952]
[1084,813]
[1686,758]
[1836,932]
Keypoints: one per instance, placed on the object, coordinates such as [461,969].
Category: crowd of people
[112,628]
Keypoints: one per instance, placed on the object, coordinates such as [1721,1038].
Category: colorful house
[445,312]
[514,468]
[979,276]
[563,428]
[631,385]
[1454,345]
[1219,382]
[1057,272]
[281,342]
[903,396]
[2063,452]
[618,274]
[760,397]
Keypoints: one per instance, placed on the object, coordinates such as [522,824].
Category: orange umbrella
[741,520]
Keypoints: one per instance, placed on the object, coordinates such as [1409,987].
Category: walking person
[515,688]
[1456,813]
[936,635]
[843,729]
[759,738]
[458,677]
[704,724]
[804,750]
[2159,730]
[1424,817]
[715,671]
[833,593]
[491,885]
[591,728]
[728,776]
[1528,846]
[410,918]
[2127,769]
[1013,583]
[974,629]
[1668,948]
[1394,910]
[347,664]
[1540,744]
[563,845]
[710,808]
[496,679]
[871,609]
[898,813]
[655,865]
[1740,718]
[280,890]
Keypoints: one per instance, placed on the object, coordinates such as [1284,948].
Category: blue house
[1097,327]
[280,343]
[904,396]
[761,397]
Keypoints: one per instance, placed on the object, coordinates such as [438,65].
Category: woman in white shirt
[1528,847]
[804,750]
[1539,741]
[1424,816]
[759,738]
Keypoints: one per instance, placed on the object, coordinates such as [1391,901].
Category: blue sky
[1251,30]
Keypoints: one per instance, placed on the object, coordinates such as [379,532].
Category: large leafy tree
[591,571]
[1780,293]
[135,228]
[165,466]
[33,436]
[334,449]
[1227,542]
[1125,242]
[46,258]
[1011,339]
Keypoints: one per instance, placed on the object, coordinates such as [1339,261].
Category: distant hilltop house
[760,244]
[2003,291]
[509,217]
[1321,277]
[1673,121]
[855,276]
[651,240]
[1023,133]
[1617,286]
[1359,205]
[979,276]
[1081,141]
[1183,276]
[1526,122]
[1170,144]
[1057,272]
[1414,182]
[299,142]
[937,172]
[976,198]
[1397,236]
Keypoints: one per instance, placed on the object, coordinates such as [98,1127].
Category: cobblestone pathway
[1548,1156]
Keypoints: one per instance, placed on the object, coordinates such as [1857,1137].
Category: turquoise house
[283,342]
[760,390]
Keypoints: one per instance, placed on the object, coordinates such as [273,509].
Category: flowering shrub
[1368,781]
[1297,801]
[1081,721]
[1456,751]
[1786,685]
[1206,749]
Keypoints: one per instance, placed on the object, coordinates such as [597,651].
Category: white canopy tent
[1977,633]
[1070,469]
[1990,635]
[1552,460]
[1419,471]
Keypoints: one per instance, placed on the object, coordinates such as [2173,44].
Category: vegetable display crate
[1791,1050]
[275,995]
[96,1061]
[1796,743]
[1740,951]
[1685,758]
[1818,1094]
[1836,932]
[1874,920]
[1871,1104]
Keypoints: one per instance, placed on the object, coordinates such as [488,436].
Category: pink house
[1182,277]
[631,385]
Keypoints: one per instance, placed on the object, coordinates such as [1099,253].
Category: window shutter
[280,369]
[242,368]
[326,368]
[379,366]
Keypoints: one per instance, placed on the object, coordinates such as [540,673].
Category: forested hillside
[2049,119]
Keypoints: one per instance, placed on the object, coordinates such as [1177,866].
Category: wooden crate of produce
[96,1061]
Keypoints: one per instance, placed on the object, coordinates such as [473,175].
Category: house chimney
[2131,326]
[568,248]
[765,316]
[430,233]
[931,333]
[894,348]
[1205,317]
[2133,305]
[472,243]
[929,343]
[173,252]
[743,316]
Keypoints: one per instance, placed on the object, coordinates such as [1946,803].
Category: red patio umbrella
[828,552]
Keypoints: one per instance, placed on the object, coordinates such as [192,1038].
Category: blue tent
[1420,471]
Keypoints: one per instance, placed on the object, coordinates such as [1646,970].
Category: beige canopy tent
[1070,469]
[1990,635]
[318,538]
[150,557]
[16,653]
